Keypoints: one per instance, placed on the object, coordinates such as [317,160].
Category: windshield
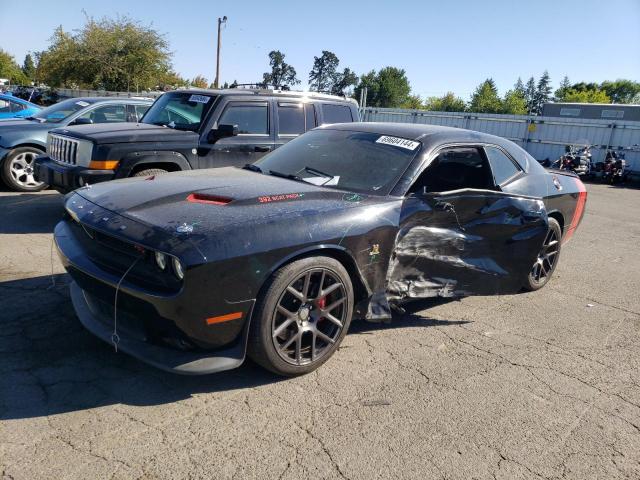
[58,112]
[183,111]
[355,161]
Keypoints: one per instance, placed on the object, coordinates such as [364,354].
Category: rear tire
[149,172]
[17,170]
[301,317]
[547,258]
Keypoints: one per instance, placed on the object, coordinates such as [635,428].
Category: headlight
[177,268]
[161,260]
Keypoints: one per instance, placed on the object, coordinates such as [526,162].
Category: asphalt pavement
[535,385]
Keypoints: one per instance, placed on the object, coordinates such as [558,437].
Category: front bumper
[65,178]
[171,360]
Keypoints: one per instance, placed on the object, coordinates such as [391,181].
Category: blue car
[14,107]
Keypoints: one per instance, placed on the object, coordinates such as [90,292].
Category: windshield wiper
[315,171]
[290,176]
[40,120]
[252,167]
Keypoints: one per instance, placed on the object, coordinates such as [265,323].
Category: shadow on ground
[23,213]
[51,364]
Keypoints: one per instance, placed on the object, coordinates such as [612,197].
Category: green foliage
[565,85]
[447,103]
[29,68]
[514,103]
[110,54]
[485,99]
[388,88]
[10,69]
[323,72]
[199,82]
[586,96]
[520,88]
[621,91]
[413,102]
[170,80]
[530,94]
[281,72]
[343,81]
[543,93]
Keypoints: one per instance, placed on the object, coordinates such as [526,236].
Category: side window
[455,169]
[310,116]
[141,110]
[291,118]
[5,107]
[17,107]
[502,166]
[107,114]
[336,113]
[251,118]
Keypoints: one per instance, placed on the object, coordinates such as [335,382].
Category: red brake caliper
[321,303]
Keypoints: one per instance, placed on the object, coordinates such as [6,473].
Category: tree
[414,102]
[530,95]
[586,96]
[170,80]
[565,85]
[10,69]
[393,87]
[323,73]
[514,103]
[110,54]
[343,81]
[485,99]
[28,67]
[370,82]
[621,91]
[282,74]
[447,103]
[199,82]
[519,88]
[543,93]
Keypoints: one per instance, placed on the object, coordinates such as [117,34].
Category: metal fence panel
[542,137]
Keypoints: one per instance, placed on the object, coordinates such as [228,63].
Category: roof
[417,131]
[267,92]
[110,99]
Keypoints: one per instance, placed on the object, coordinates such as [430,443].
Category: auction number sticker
[199,98]
[398,142]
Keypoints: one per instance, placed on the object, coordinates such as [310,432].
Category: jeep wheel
[17,170]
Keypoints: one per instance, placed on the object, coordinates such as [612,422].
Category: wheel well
[31,145]
[557,216]
[359,288]
[168,166]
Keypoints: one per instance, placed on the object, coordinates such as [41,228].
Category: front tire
[17,170]
[547,258]
[302,316]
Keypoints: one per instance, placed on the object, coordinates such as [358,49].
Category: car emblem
[557,183]
[184,228]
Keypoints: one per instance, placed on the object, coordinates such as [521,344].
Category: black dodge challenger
[192,271]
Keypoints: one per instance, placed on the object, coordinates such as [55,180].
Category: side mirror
[82,121]
[223,131]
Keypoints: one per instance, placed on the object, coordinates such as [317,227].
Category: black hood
[103,133]
[242,196]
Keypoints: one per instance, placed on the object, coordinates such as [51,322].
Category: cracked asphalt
[536,385]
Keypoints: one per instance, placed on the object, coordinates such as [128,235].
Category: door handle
[261,149]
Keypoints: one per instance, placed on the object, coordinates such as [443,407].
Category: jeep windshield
[180,110]
[60,111]
[361,162]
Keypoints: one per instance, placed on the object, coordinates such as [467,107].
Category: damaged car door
[460,235]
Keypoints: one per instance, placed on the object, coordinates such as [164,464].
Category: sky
[447,45]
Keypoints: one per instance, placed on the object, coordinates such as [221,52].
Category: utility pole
[220,22]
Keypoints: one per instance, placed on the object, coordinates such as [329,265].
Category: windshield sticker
[199,98]
[83,103]
[280,198]
[398,142]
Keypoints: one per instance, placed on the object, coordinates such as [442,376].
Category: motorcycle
[614,167]
[576,159]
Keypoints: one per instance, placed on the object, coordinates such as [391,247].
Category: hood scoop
[208,199]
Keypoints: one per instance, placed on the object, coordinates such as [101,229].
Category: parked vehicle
[185,130]
[577,159]
[614,167]
[14,107]
[22,140]
[274,259]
